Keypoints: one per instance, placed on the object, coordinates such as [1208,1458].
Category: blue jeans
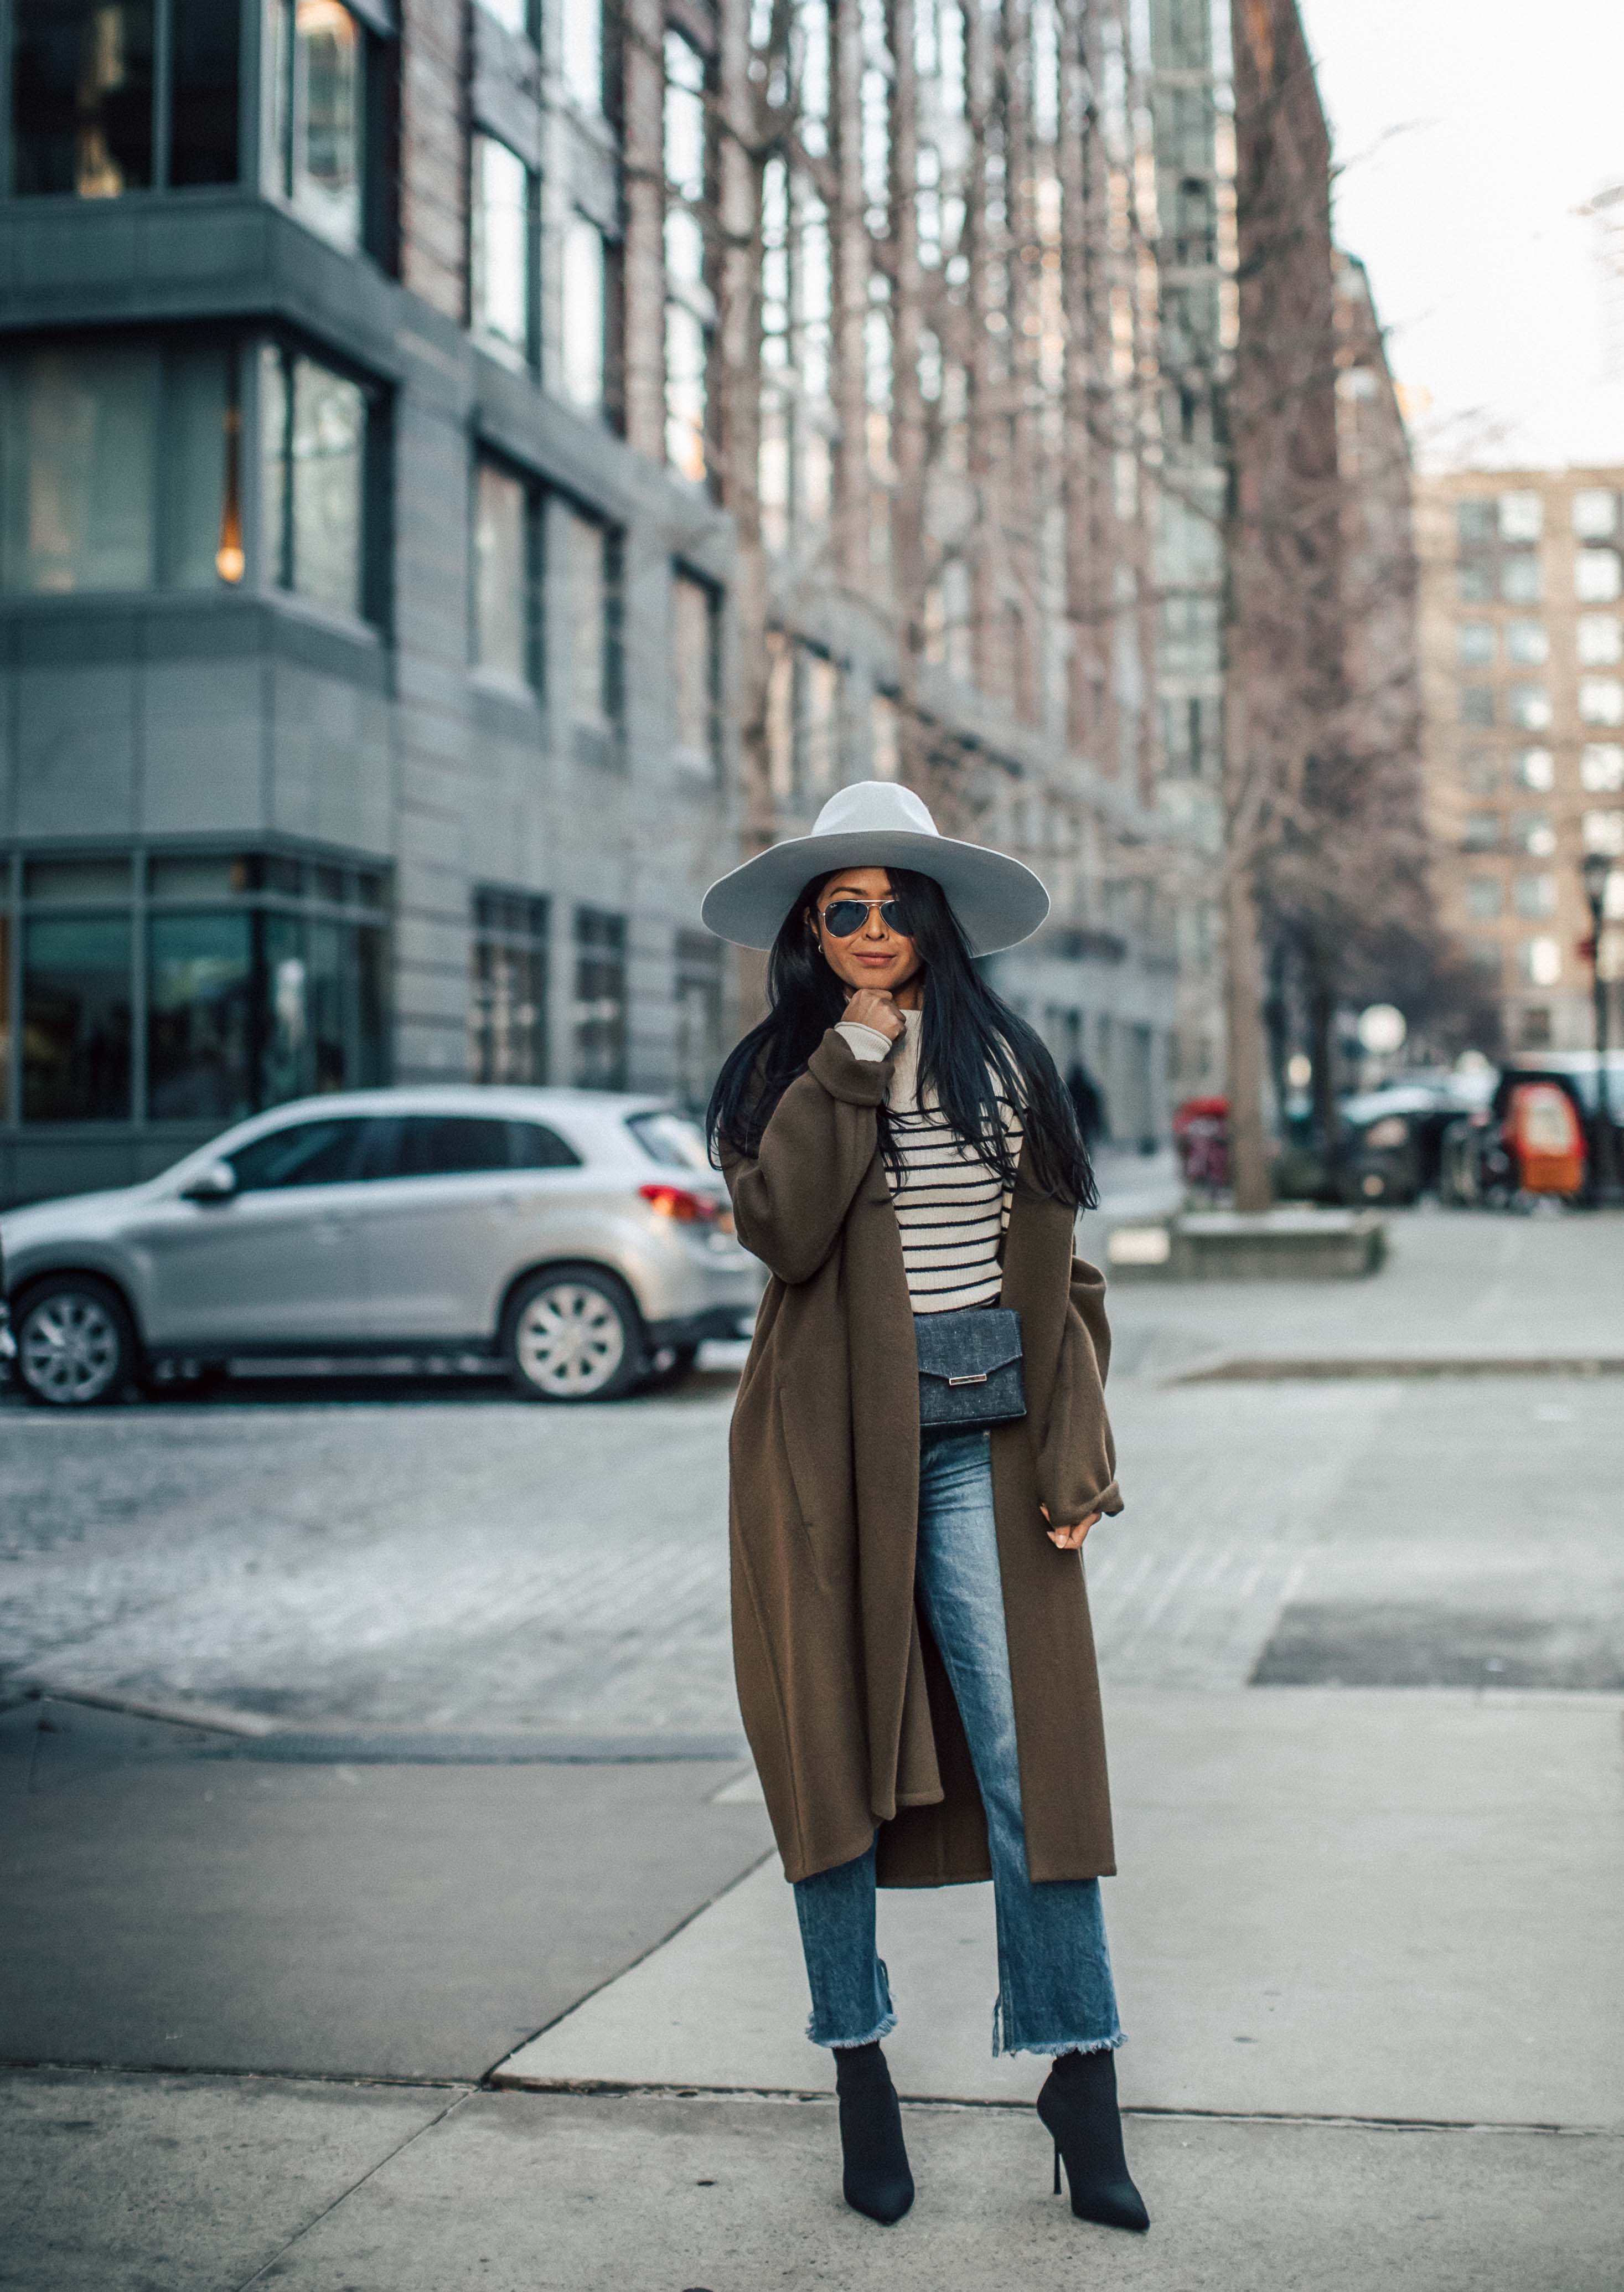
[1055,1991]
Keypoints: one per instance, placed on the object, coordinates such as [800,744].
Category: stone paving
[450,1558]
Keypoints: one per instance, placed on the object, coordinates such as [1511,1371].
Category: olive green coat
[845,1699]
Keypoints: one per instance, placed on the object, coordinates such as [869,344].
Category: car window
[320,1153]
[448,1145]
[534,1147]
[671,1140]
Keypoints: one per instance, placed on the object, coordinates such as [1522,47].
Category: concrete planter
[1282,1245]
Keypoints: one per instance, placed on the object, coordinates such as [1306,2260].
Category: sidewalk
[489,2006]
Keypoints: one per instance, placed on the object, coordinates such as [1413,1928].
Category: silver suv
[580,1238]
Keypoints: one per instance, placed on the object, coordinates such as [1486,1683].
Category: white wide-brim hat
[879,824]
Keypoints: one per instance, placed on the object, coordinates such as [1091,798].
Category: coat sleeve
[791,1202]
[1077,1460]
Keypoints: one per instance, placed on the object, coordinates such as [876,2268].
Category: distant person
[903,1156]
[1089,1102]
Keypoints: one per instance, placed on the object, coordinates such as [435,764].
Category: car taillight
[677,1203]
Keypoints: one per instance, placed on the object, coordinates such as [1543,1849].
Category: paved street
[453,1560]
[1362,1638]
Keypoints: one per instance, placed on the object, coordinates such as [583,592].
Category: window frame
[707,762]
[489,930]
[251,15]
[377,231]
[167,347]
[531,682]
[527,354]
[140,904]
[374,606]
[585,949]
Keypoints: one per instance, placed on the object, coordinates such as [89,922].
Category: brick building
[1523,657]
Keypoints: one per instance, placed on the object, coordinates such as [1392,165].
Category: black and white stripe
[951,1208]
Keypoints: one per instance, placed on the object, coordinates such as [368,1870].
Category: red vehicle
[1200,1136]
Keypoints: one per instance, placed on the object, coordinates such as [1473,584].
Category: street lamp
[1596,870]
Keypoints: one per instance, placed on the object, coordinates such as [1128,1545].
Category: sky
[1466,134]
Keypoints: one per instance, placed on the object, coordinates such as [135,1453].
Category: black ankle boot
[877,2180]
[1078,2104]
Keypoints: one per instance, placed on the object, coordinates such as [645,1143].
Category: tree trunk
[1248,1164]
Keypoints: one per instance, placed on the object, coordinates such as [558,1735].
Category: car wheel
[666,1375]
[76,1346]
[573,1333]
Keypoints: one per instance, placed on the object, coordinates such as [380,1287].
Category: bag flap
[966,1343]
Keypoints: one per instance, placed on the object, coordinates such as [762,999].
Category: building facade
[1522,660]
[361,678]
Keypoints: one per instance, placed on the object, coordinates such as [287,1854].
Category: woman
[911,1631]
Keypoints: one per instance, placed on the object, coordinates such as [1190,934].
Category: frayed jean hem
[882,2029]
[1048,2048]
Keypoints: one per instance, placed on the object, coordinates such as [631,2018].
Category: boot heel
[1057,2168]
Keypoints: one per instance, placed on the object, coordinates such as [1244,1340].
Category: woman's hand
[1069,1539]
[871,1006]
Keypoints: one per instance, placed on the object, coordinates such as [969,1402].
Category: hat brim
[998,901]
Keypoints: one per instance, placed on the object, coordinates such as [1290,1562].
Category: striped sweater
[952,1209]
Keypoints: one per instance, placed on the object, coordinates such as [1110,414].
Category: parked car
[1535,1135]
[1390,1147]
[578,1236]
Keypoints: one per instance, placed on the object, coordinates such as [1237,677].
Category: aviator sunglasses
[844,916]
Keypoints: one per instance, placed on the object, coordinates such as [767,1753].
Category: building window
[1527,643]
[1481,772]
[1474,582]
[502,247]
[76,992]
[581,53]
[697,673]
[1481,831]
[583,345]
[1474,643]
[1595,515]
[600,1000]
[1483,898]
[1478,703]
[507,575]
[119,467]
[1535,897]
[594,555]
[512,15]
[1541,961]
[1599,639]
[1601,700]
[1601,768]
[313,452]
[86,114]
[317,68]
[1535,768]
[1522,578]
[1475,524]
[1598,578]
[1488,960]
[1522,516]
[1528,706]
[1604,831]
[687,309]
[1532,832]
[507,1021]
[700,1046]
[263,979]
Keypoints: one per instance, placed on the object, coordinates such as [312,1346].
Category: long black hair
[973,1049]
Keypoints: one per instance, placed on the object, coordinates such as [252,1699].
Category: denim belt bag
[969,1367]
